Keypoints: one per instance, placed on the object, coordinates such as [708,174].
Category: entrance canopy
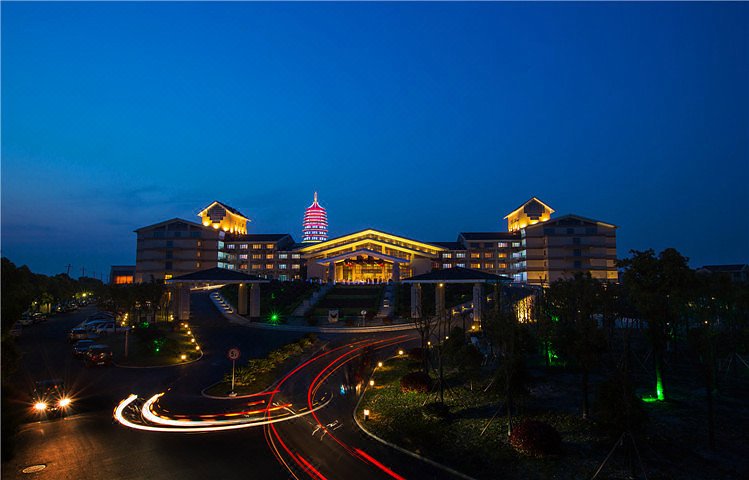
[363,252]
[217,275]
[458,275]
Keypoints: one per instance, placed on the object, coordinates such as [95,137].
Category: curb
[161,366]
[401,449]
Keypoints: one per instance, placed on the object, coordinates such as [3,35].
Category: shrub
[617,407]
[416,382]
[535,438]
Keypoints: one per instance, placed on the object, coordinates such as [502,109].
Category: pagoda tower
[315,224]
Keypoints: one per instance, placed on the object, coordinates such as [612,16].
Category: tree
[574,302]
[659,287]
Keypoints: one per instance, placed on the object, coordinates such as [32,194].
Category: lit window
[197,265]
[488,265]
[283,256]
[446,265]
[461,265]
[502,255]
[502,265]
[447,255]
[502,245]
[460,255]
[243,246]
[167,276]
[296,256]
[269,256]
[256,246]
[295,266]
[475,255]
[269,245]
[243,267]
[243,256]
[256,256]
[515,244]
[282,266]
[256,266]
[123,279]
[269,266]
[231,245]
[475,265]
[487,254]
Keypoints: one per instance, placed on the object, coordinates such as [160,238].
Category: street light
[379,364]
[366,414]
[371,383]
[183,357]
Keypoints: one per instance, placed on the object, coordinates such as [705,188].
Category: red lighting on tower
[315,224]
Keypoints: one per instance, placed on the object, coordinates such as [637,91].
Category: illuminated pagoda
[315,224]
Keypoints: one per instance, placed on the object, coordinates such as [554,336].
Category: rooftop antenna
[68,266]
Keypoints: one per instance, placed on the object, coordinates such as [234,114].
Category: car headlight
[40,406]
[64,402]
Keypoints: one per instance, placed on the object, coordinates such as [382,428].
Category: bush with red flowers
[535,438]
[416,382]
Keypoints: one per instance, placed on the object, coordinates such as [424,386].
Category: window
[243,246]
[475,255]
[123,279]
[578,264]
[515,244]
[283,256]
[447,265]
[256,266]
[576,241]
[283,278]
[270,245]
[475,245]
[502,265]
[169,254]
[488,265]
[447,255]
[461,265]
[195,234]
[269,256]
[177,234]
[576,252]
[243,256]
[158,234]
[200,244]
[296,256]
[197,264]
[591,230]
[488,255]
[170,243]
[475,265]
[570,231]
[167,265]
[243,267]
[548,231]
[502,255]
[198,253]
[503,245]
[231,245]
[295,266]
[256,246]
[488,245]
[460,255]
[269,266]
[282,266]
[167,276]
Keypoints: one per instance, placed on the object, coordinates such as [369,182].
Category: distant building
[737,273]
[122,274]
[536,249]
[315,223]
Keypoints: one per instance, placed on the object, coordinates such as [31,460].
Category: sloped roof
[227,207]
[557,220]
[173,220]
[458,275]
[551,210]
[449,245]
[218,275]
[489,235]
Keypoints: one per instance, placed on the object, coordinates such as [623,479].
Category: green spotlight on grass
[274,318]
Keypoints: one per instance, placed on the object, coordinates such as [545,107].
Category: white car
[107,328]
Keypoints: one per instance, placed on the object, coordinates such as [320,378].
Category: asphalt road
[88,444]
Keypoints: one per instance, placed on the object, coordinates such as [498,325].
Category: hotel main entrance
[367,269]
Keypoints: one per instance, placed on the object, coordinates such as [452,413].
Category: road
[88,444]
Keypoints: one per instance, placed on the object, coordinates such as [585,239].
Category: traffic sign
[233,353]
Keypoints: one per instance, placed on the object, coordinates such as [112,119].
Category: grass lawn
[143,352]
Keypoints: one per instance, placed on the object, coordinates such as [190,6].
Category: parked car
[49,397]
[39,317]
[26,320]
[110,327]
[92,325]
[78,334]
[81,347]
[101,316]
[99,355]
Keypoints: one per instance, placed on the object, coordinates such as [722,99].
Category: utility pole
[68,266]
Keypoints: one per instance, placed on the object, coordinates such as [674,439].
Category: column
[478,302]
[255,300]
[331,272]
[175,298]
[242,299]
[396,272]
[439,300]
[184,302]
[415,301]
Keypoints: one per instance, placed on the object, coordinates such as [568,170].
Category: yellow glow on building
[376,237]
[123,279]
[531,212]
[226,218]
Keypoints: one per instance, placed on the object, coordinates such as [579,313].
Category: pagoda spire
[315,224]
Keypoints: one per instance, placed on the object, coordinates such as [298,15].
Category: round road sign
[233,353]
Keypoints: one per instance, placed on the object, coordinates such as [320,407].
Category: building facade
[535,249]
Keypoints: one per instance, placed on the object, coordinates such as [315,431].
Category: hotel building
[535,249]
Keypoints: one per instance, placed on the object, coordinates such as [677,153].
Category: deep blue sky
[419,119]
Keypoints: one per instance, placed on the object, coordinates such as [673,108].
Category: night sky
[418,119]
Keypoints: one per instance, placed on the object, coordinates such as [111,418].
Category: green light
[555,318]
[659,387]
[649,399]
[274,318]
